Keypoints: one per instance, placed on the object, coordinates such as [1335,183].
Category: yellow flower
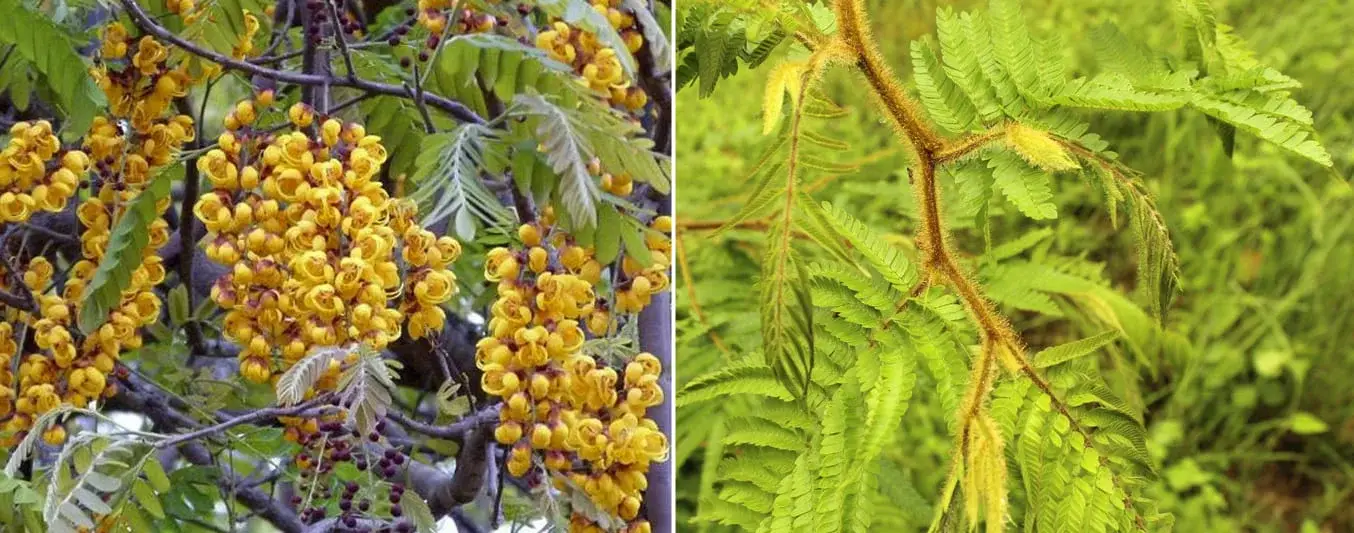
[501,264]
[16,207]
[54,436]
[519,460]
[114,41]
[219,170]
[329,131]
[301,115]
[149,54]
[508,433]
[435,287]
[556,42]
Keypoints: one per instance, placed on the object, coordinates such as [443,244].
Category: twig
[498,494]
[416,93]
[302,409]
[454,431]
[144,22]
[997,335]
[152,405]
[23,300]
[186,222]
[282,20]
[342,40]
[968,145]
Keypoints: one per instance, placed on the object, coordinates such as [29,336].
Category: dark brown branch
[144,22]
[23,299]
[308,409]
[455,431]
[187,221]
[336,26]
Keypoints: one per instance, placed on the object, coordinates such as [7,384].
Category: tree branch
[144,22]
[456,430]
[136,396]
[309,409]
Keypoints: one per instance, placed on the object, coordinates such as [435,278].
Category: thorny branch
[999,339]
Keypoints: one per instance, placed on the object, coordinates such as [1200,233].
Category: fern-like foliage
[811,463]
[448,184]
[293,385]
[365,387]
[716,39]
[571,137]
[986,76]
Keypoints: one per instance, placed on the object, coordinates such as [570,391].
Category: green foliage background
[1248,407]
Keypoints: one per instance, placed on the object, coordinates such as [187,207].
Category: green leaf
[1304,423]
[1284,132]
[787,320]
[147,498]
[448,181]
[131,234]
[418,512]
[632,236]
[53,51]
[608,238]
[155,473]
[1026,187]
[1066,352]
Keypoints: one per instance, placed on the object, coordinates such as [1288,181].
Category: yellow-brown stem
[938,260]
[855,31]
[685,271]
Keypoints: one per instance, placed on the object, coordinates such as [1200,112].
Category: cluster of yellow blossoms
[560,403]
[311,238]
[435,14]
[639,282]
[27,184]
[598,65]
[139,87]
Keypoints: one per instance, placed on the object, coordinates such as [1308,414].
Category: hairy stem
[998,337]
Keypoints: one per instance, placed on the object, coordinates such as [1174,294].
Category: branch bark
[146,24]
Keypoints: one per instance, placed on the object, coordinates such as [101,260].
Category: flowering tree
[347,266]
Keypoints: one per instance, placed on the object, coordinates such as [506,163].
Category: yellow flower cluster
[639,282]
[598,65]
[69,368]
[311,238]
[143,90]
[27,185]
[435,14]
[560,403]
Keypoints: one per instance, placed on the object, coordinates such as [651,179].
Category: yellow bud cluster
[311,239]
[561,405]
[599,67]
[639,282]
[434,16]
[140,86]
[128,147]
[32,177]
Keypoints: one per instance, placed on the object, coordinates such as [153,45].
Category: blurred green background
[1250,406]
